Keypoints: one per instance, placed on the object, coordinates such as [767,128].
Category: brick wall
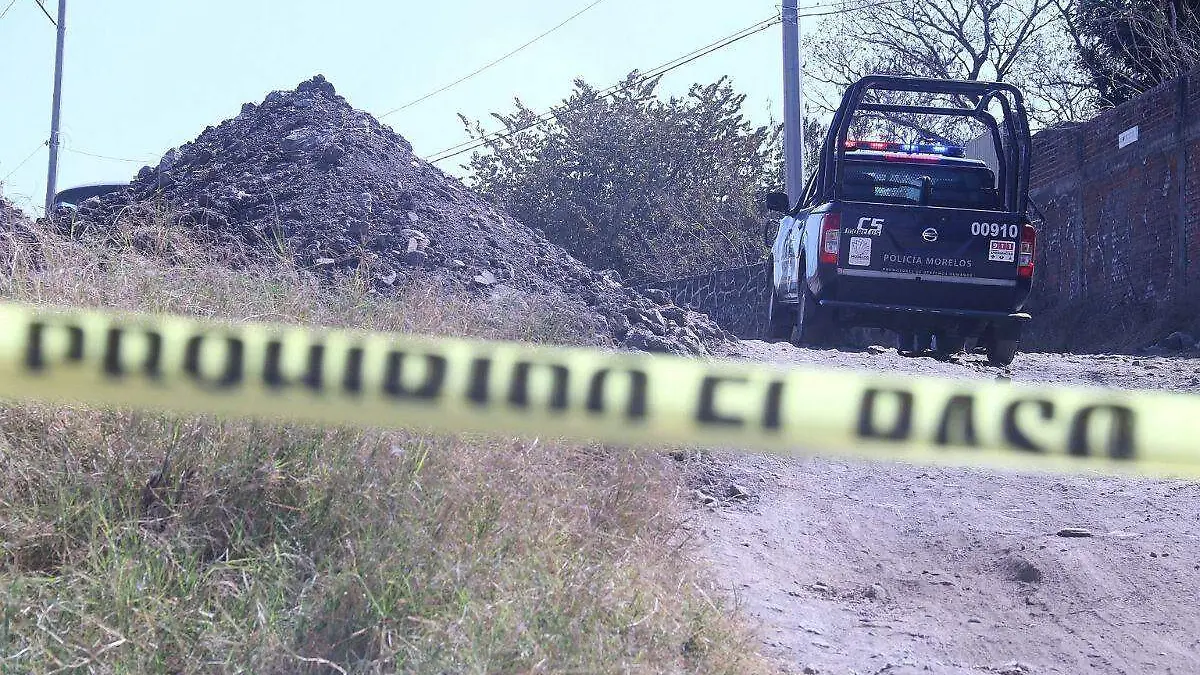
[1121,223]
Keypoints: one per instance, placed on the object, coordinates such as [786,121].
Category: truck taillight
[1025,254]
[831,232]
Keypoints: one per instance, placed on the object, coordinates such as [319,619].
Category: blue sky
[145,75]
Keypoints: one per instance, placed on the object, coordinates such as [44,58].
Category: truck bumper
[930,312]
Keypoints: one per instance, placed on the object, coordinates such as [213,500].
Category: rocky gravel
[304,174]
[1123,371]
[887,568]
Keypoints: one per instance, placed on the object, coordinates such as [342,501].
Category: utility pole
[793,102]
[55,113]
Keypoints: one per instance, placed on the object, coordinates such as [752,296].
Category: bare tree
[1127,47]
[1018,41]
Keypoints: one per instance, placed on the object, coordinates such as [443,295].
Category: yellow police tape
[386,380]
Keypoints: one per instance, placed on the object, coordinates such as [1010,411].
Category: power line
[108,157]
[724,42]
[550,114]
[10,6]
[846,10]
[472,74]
[43,8]
[484,140]
[24,161]
[616,88]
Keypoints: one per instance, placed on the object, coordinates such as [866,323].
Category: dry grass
[147,266]
[135,543]
[1092,326]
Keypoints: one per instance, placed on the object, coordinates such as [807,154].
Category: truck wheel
[814,327]
[781,318]
[946,346]
[914,344]
[1001,352]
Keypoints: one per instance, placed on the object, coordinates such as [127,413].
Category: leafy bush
[654,188]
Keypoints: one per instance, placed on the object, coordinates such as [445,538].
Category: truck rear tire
[914,344]
[1002,352]
[814,327]
[947,346]
[781,319]
[1001,343]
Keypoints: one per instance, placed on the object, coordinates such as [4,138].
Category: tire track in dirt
[889,568]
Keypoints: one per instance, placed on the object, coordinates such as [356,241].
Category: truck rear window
[899,183]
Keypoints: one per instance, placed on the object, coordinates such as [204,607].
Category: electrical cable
[662,69]
[24,161]
[616,88]
[805,13]
[472,74]
[550,114]
[108,157]
[846,10]
[43,8]
[10,6]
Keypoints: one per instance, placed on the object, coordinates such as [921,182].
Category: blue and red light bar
[912,148]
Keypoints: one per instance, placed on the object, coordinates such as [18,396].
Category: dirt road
[892,569]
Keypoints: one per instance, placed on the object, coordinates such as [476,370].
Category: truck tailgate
[929,244]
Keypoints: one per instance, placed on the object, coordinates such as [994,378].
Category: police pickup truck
[915,238]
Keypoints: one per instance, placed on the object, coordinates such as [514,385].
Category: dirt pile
[16,229]
[305,174]
[11,216]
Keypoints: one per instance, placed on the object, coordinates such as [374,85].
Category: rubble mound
[15,226]
[304,172]
[10,216]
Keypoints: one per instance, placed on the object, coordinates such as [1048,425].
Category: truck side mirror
[778,201]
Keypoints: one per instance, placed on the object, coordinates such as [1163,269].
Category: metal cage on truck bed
[1009,132]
